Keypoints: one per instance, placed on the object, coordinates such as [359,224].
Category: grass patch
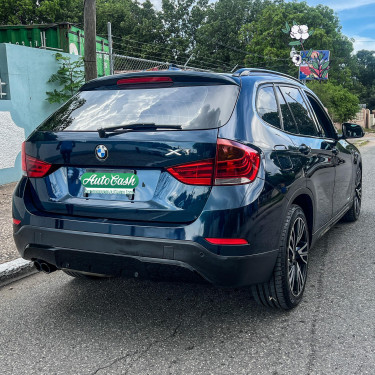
[361,143]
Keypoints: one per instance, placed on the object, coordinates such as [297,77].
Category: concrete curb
[15,270]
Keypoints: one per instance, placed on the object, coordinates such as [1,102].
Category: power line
[202,61]
[205,60]
[213,42]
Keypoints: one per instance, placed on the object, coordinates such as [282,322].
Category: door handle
[304,149]
[280,148]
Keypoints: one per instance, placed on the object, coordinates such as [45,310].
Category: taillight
[138,80]
[227,241]
[196,173]
[235,164]
[16,222]
[33,167]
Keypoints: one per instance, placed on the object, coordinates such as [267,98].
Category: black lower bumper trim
[116,255]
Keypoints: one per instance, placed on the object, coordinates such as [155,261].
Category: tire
[355,210]
[80,275]
[285,288]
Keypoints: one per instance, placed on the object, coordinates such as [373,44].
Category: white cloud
[348,4]
[362,42]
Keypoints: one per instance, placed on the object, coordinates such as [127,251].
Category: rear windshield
[192,107]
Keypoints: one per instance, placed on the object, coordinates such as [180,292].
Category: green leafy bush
[69,76]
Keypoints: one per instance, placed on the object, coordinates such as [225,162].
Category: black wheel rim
[298,248]
[358,193]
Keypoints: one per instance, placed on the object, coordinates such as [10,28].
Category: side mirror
[352,130]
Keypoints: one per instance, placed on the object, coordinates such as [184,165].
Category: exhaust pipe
[45,267]
[37,265]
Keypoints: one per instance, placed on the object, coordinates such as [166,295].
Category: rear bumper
[116,255]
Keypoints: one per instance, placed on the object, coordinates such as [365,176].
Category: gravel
[8,250]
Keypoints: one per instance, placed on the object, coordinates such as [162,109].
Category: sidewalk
[8,250]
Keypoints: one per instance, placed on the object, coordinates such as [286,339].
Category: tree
[268,45]
[366,77]
[181,19]
[13,12]
[341,104]
[136,28]
[25,12]
[69,76]
[217,41]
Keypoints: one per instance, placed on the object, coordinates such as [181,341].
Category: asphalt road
[53,324]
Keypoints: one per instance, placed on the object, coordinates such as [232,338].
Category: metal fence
[124,64]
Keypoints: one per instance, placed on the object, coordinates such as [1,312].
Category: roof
[35,26]
[256,71]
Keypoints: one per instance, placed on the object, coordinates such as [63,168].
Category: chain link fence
[125,64]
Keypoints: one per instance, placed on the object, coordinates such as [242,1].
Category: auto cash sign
[109,182]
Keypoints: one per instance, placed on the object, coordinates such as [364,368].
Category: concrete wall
[25,71]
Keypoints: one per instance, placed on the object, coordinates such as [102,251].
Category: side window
[288,121]
[267,106]
[301,114]
[322,117]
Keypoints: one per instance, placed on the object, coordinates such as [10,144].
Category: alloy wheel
[298,246]
[358,193]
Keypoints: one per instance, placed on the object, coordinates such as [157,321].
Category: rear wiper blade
[103,132]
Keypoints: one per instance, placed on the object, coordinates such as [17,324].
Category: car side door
[343,159]
[313,149]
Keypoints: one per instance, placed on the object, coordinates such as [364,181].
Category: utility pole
[110,46]
[89,17]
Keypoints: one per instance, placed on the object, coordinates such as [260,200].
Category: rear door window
[192,107]
[266,105]
[300,111]
[288,120]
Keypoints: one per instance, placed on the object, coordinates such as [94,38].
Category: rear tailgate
[89,166]
[158,196]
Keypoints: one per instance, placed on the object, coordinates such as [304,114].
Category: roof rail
[247,71]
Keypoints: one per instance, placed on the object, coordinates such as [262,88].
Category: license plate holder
[109,182]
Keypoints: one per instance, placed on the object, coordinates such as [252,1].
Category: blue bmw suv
[231,176]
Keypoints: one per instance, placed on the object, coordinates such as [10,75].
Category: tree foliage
[69,77]
[217,39]
[366,77]
[216,35]
[24,12]
[269,47]
[342,105]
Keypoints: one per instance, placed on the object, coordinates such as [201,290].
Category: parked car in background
[231,176]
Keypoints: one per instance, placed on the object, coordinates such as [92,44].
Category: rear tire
[355,210]
[80,275]
[285,288]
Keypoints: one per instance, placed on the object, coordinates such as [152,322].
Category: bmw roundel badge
[101,152]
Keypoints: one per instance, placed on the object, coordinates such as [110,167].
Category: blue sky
[357,19]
